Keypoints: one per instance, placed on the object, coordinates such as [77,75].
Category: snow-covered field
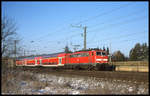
[41,83]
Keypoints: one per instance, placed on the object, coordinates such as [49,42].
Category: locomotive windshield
[100,53]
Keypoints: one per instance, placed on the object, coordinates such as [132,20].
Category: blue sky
[117,24]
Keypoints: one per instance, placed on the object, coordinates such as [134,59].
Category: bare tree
[8,31]
[118,56]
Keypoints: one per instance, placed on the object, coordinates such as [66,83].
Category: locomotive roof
[95,49]
[50,55]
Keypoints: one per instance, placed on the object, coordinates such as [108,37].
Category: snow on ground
[59,84]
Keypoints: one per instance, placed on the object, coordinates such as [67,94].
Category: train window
[80,55]
[87,54]
[103,53]
[98,53]
[84,54]
[71,56]
[60,60]
[74,55]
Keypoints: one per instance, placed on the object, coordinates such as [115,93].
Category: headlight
[101,59]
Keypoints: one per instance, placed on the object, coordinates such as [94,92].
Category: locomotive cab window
[103,53]
[100,53]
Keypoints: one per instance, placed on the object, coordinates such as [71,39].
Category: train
[89,59]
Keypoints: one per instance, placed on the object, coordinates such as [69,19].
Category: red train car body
[80,58]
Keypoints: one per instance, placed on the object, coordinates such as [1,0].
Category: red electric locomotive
[87,59]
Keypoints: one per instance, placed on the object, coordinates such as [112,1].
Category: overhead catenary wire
[124,22]
[50,34]
[74,35]
[119,24]
[109,24]
[97,15]
[105,13]
[120,36]
[120,17]
[115,24]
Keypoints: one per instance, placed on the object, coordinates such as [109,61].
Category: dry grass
[132,68]
[138,66]
[9,82]
[38,84]
[131,63]
[12,79]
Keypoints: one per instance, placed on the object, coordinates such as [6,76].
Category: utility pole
[84,38]
[84,35]
[15,41]
[110,53]
[24,52]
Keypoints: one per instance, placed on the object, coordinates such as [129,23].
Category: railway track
[130,76]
